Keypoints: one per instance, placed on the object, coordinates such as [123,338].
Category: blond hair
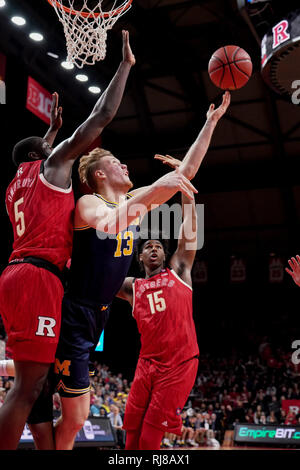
[88,164]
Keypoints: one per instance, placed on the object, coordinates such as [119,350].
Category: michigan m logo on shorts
[62,367]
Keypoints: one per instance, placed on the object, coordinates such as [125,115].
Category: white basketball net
[86,36]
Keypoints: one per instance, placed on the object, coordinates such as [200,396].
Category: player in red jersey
[168,360]
[162,306]
[40,205]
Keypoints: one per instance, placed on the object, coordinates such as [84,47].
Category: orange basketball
[230,67]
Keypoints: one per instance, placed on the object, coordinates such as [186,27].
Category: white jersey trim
[179,279]
[133,298]
[55,188]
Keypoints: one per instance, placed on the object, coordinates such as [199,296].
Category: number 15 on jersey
[156,302]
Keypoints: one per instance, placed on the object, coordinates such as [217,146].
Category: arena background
[249,181]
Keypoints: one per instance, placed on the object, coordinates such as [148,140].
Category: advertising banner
[276,269]
[269,434]
[291,406]
[95,432]
[38,100]
[237,270]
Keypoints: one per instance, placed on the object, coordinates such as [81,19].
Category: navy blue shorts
[81,327]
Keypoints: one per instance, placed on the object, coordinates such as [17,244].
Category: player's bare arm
[183,258]
[195,155]
[126,291]
[58,166]
[294,272]
[55,120]
[94,213]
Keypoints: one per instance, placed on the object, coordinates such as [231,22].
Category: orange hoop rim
[115,12]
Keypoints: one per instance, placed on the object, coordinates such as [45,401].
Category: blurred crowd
[227,391]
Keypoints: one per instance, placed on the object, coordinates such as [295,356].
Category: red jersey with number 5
[41,215]
[163,311]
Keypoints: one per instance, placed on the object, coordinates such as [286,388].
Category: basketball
[230,67]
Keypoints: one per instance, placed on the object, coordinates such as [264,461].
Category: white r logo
[47,323]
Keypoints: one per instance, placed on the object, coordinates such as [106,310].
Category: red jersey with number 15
[41,215]
[163,311]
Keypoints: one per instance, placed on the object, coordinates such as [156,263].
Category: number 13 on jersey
[128,236]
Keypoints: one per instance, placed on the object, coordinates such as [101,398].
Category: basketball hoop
[86,29]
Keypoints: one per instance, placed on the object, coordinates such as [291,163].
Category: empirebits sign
[271,434]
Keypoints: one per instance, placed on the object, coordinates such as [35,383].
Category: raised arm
[294,272]
[58,166]
[195,155]
[93,212]
[55,120]
[183,258]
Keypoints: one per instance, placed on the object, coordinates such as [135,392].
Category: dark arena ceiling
[249,181]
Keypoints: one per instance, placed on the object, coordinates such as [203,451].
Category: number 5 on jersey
[157,303]
[19,217]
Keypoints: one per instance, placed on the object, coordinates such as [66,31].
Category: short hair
[88,164]
[151,235]
[23,147]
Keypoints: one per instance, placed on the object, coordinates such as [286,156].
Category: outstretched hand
[168,160]
[55,113]
[128,56]
[216,114]
[295,269]
[176,181]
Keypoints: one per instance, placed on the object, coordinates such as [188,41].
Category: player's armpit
[181,269]
[126,291]
[89,209]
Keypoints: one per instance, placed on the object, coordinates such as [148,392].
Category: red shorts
[158,396]
[30,306]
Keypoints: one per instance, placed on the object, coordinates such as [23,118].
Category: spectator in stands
[282,416]
[249,417]
[271,419]
[192,441]
[168,440]
[102,412]
[106,404]
[95,407]
[211,441]
[238,413]
[257,414]
[187,431]
[112,397]
[200,434]
[117,425]
[290,419]
[56,405]
[263,418]
[274,406]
